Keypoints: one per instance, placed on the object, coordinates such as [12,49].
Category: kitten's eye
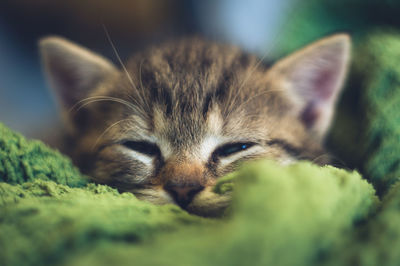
[144,147]
[231,148]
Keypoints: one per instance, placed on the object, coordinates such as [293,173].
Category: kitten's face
[179,116]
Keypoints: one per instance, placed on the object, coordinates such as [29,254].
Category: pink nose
[183,194]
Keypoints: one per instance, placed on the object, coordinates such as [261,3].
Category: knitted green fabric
[302,208]
[281,216]
[377,63]
[366,132]
[43,223]
[376,242]
[22,160]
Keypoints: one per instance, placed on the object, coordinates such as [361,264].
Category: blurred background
[266,27]
[26,104]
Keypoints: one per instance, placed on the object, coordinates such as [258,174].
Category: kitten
[178,116]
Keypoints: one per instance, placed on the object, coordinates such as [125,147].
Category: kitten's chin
[210,204]
[206,203]
[155,196]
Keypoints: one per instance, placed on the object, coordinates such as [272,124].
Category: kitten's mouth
[206,203]
[183,195]
[209,204]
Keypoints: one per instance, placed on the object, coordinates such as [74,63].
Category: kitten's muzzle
[183,194]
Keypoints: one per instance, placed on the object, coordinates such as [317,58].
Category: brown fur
[178,94]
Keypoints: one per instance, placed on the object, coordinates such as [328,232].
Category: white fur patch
[236,156]
[210,143]
[208,146]
[153,195]
[165,148]
[286,161]
[215,121]
[147,160]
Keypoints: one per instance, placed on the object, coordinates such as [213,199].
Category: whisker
[259,94]
[82,103]
[118,57]
[140,74]
[261,59]
[124,68]
[106,130]
[101,98]
[141,92]
[252,98]
[339,163]
[267,51]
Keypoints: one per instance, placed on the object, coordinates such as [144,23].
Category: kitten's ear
[72,70]
[313,78]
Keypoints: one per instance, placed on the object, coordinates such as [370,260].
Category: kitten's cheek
[210,204]
[114,167]
[153,195]
[287,160]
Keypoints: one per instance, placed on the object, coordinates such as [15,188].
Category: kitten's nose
[183,194]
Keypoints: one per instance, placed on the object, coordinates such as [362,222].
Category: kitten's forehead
[185,78]
[182,130]
[215,121]
[191,73]
[191,92]
[192,135]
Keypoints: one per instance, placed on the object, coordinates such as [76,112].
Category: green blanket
[296,215]
[46,222]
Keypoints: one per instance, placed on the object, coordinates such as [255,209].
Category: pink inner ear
[322,90]
[325,84]
[310,115]
[66,82]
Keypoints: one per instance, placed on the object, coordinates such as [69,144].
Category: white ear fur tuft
[313,78]
[72,70]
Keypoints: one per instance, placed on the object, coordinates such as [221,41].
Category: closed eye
[230,149]
[289,148]
[144,147]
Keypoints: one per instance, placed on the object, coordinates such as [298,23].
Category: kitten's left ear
[72,69]
[313,78]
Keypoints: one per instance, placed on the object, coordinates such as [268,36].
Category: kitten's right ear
[313,78]
[72,70]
